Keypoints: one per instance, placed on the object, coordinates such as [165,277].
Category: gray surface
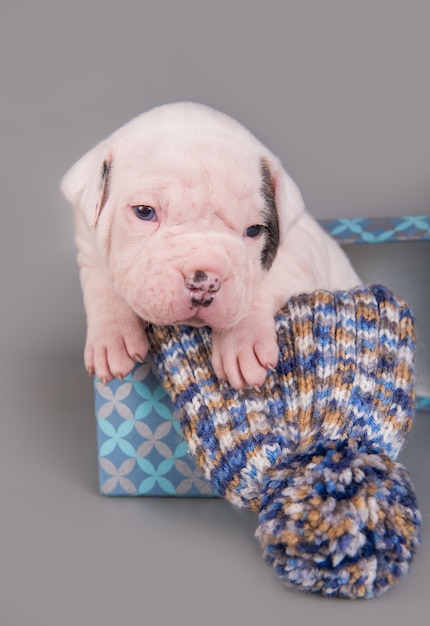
[72,557]
[339,90]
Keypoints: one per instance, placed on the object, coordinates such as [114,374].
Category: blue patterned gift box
[140,447]
[141,450]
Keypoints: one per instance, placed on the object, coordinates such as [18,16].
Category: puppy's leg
[116,336]
[244,354]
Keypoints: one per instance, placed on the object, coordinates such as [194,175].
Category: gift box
[140,447]
[141,451]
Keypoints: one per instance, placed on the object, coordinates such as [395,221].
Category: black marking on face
[200,276]
[204,301]
[104,182]
[270,217]
[202,290]
[103,189]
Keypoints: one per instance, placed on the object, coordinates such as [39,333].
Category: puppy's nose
[203,286]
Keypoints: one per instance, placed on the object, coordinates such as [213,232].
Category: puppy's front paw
[113,347]
[244,354]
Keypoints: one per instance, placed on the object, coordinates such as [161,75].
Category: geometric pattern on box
[141,450]
[379,230]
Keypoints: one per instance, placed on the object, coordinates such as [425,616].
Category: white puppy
[183,216]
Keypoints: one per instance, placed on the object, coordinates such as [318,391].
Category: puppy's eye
[254,231]
[145,212]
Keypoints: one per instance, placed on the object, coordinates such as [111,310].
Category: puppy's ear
[288,199]
[86,184]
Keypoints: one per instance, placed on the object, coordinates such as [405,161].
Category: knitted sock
[314,450]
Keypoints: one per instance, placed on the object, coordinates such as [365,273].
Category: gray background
[340,91]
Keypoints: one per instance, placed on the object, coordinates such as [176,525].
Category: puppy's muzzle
[203,287]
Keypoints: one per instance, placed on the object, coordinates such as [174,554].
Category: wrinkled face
[188,231]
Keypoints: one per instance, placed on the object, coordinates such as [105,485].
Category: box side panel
[141,450]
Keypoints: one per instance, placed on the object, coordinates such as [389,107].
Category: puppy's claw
[138,358]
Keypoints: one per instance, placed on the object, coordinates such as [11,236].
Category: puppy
[184,217]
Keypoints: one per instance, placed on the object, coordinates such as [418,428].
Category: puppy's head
[188,210]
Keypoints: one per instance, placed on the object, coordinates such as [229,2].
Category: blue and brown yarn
[313,451]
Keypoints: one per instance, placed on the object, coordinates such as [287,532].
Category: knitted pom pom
[339,520]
